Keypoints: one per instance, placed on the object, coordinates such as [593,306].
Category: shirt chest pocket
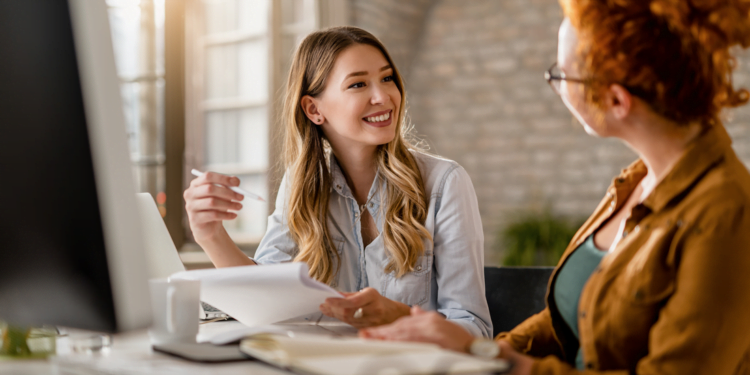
[647,279]
[413,288]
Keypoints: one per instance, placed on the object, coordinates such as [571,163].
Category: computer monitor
[71,250]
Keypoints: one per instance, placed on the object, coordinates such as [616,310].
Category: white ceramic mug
[175,305]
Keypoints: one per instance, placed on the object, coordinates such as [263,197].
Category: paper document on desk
[258,295]
[347,356]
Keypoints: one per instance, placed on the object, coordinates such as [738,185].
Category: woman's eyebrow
[363,73]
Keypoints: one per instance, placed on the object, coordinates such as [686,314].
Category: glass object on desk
[90,343]
[21,342]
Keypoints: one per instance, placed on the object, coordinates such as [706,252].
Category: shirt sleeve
[277,245]
[534,336]
[459,255]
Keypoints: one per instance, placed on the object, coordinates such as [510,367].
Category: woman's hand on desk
[431,327]
[376,309]
[208,201]
[423,326]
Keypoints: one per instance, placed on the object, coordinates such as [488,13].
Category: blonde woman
[368,213]
[656,280]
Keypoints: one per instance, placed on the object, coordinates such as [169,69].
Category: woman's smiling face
[361,102]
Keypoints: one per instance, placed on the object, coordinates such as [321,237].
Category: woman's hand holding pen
[209,201]
[366,308]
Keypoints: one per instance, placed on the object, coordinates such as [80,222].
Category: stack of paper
[347,356]
[258,295]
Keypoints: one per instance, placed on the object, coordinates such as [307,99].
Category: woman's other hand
[423,326]
[376,309]
[208,202]
[522,363]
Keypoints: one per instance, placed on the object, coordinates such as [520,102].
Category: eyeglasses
[555,76]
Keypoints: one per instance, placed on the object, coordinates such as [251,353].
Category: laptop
[161,253]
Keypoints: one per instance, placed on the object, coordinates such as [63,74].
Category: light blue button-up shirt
[449,277]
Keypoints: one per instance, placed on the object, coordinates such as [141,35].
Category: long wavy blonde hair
[307,161]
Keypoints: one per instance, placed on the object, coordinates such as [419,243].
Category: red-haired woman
[656,281]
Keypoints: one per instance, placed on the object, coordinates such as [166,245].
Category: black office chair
[514,294]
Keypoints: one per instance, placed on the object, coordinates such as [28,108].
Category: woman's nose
[379,95]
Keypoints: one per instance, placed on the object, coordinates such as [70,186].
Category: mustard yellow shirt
[674,295]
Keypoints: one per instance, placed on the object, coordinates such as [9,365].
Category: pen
[246,193]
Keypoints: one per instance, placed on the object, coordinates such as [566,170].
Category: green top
[570,281]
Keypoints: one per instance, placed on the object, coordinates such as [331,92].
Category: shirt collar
[703,153]
[342,188]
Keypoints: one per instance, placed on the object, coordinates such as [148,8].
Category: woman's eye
[357,85]
[388,79]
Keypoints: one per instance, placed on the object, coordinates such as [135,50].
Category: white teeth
[380,118]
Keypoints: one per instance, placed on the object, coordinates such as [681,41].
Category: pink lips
[381,124]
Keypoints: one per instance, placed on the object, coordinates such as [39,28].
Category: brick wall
[476,93]
[397,23]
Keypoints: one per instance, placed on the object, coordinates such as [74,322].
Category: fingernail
[239,197]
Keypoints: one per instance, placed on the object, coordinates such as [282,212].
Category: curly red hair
[674,54]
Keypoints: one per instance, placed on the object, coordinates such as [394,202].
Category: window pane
[221,16]
[253,15]
[130,95]
[125,23]
[253,136]
[237,71]
[250,224]
[237,138]
[292,11]
[137,28]
[253,70]
[289,44]
[222,143]
[221,71]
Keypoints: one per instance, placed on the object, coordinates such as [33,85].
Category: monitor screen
[54,267]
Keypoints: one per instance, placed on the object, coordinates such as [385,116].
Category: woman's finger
[213,204]
[393,332]
[202,217]
[215,191]
[364,297]
[216,178]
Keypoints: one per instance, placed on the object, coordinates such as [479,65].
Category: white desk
[131,354]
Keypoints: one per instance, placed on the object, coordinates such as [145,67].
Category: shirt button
[419,268]
[371,204]
[338,187]
[638,295]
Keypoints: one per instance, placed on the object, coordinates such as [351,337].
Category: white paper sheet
[259,295]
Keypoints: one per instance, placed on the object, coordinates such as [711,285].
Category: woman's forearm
[223,252]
